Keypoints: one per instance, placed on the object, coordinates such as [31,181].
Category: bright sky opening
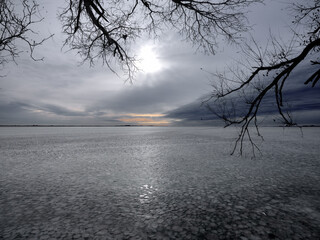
[149,61]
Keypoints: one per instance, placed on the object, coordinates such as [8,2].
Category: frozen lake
[157,183]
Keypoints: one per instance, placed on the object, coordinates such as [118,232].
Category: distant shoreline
[129,125]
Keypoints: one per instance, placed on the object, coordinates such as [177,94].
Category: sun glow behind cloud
[149,61]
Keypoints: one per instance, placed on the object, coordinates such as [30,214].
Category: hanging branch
[106,29]
[16,26]
[275,66]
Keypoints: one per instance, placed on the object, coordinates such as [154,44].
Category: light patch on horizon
[145,121]
[145,115]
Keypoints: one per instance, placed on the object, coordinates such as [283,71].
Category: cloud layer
[59,90]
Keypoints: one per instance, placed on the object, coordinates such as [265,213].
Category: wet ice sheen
[157,183]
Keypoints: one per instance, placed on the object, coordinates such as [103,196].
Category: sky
[60,90]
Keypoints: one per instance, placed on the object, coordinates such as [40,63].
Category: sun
[149,61]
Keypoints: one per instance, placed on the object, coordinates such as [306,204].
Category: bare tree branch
[16,25]
[275,65]
[105,29]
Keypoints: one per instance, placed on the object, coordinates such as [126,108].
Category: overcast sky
[58,90]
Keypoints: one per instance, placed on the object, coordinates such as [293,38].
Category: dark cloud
[302,101]
[158,93]
[57,110]
[16,113]
[194,111]
[24,113]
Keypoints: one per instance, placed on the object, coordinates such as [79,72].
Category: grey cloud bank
[301,101]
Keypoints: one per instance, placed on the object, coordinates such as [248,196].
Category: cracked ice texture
[157,183]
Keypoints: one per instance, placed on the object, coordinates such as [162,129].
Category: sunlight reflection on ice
[147,191]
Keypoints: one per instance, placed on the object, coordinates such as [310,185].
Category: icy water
[157,183]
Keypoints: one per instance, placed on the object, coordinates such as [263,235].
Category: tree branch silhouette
[271,73]
[16,25]
[105,29]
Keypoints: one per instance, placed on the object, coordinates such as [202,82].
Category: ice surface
[157,183]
